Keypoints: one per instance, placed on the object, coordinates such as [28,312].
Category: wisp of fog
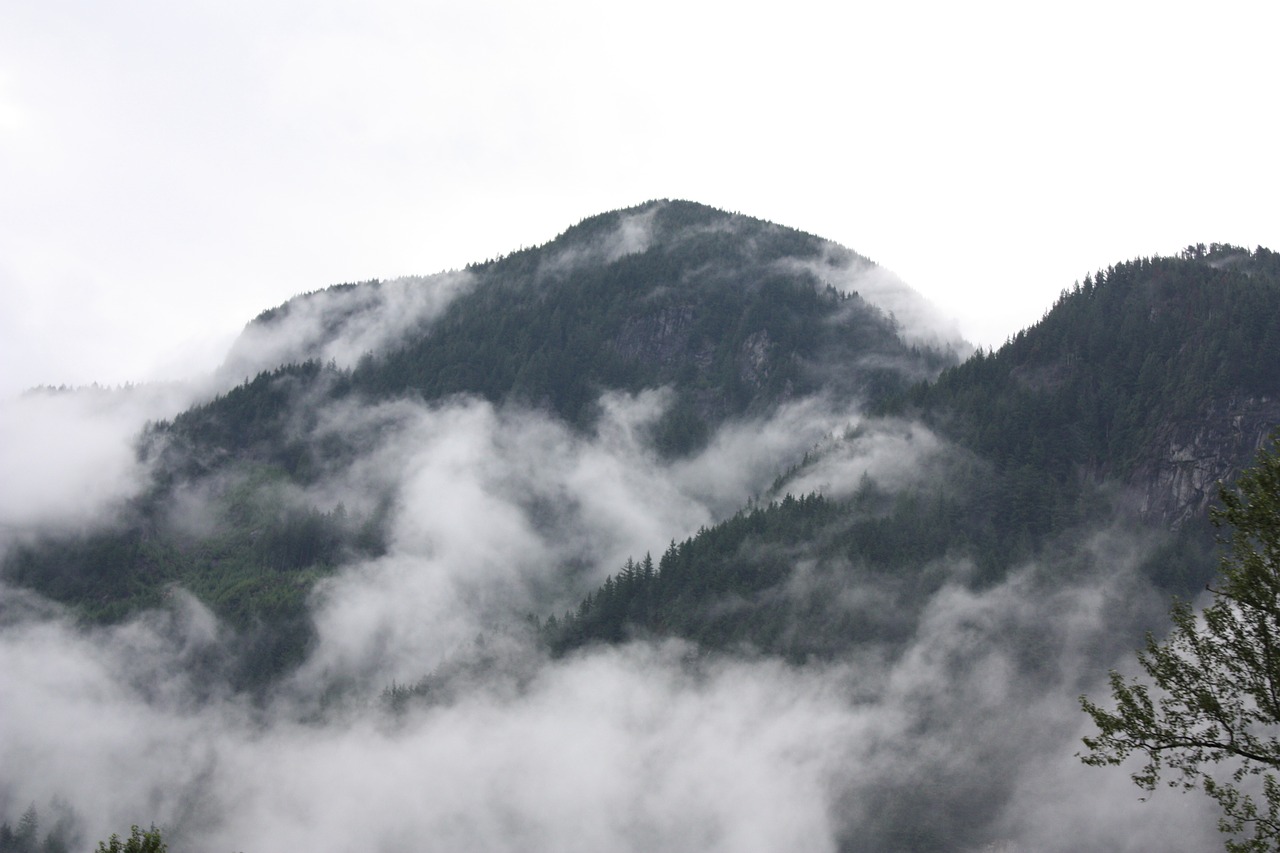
[967,731]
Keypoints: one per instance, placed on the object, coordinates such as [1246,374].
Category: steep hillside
[724,317]
[1138,393]
[733,313]
[816,583]
[1161,373]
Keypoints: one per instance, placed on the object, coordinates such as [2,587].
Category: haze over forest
[682,531]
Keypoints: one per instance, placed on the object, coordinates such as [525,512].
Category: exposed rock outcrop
[1191,457]
[660,338]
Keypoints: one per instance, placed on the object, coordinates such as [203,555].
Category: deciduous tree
[139,841]
[1208,714]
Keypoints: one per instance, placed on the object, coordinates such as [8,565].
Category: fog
[919,321]
[965,732]
[67,456]
[502,511]
[340,324]
[632,234]
[647,746]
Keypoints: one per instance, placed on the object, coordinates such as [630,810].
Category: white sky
[168,170]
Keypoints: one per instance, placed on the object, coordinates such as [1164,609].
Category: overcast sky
[168,170]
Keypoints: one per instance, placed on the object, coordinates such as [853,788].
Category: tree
[139,841]
[28,833]
[1212,718]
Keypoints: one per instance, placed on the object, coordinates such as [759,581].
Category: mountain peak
[672,258]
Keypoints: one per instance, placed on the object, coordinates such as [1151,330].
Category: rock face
[1190,458]
[664,338]
[753,359]
[661,338]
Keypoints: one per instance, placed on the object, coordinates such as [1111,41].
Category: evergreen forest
[674,451]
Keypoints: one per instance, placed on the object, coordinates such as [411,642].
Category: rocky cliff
[1190,458]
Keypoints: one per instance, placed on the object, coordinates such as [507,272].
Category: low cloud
[919,321]
[343,323]
[615,750]
[959,732]
[632,234]
[744,457]
[501,512]
[892,454]
[964,738]
[67,456]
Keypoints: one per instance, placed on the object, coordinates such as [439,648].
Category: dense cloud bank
[67,456]
[503,512]
[342,323]
[959,737]
[919,321]
[967,733]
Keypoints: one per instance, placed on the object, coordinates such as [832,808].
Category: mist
[969,731]
[962,734]
[919,321]
[68,455]
[501,512]
[342,323]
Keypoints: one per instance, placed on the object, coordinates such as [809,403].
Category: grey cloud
[615,750]
[971,730]
[77,726]
[974,728]
[67,457]
[501,511]
[920,322]
[632,235]
[744,457]
[961,730]
[891,453]
[343,323]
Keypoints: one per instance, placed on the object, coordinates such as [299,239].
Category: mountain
[684,530]
[731,317]
[1137,394]
[1161,373]
[734,315]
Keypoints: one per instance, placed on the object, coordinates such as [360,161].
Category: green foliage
[720,308]
[771,577]
[1210,716]
[727,312]
[258,420]
[139,841]
[1086,392]
[739,559]
[701,307]
[253,561]
[775,577]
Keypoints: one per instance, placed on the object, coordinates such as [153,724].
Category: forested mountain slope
[729,317]
[733,314]
[817,582]
[1141,389]
[1163,373]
